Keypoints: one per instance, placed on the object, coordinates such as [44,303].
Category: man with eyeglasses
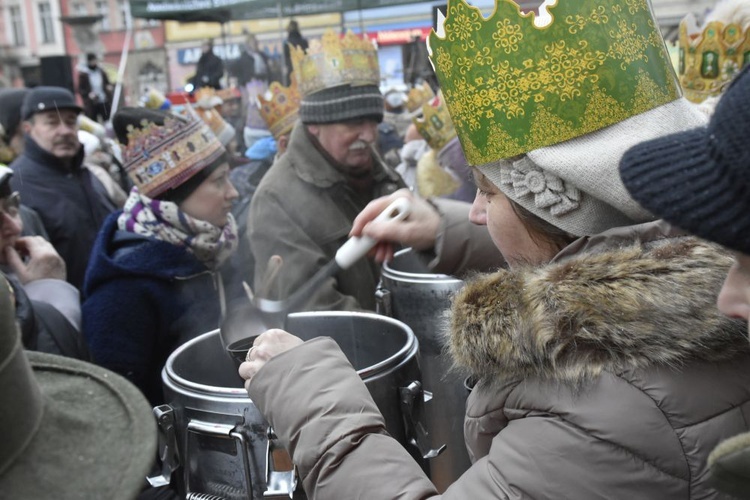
[47,307]
[51,179]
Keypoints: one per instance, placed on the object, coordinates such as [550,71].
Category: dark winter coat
[608,374]
[70,200]
[303,211]
[142,299]
[209,71]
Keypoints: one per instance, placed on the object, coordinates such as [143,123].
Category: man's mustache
[359,144]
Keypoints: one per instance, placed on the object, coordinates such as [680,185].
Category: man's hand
[418,230]
[267,345]
[34,258]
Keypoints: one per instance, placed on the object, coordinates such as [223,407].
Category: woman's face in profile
[212,200]
[493,209]
[734,298]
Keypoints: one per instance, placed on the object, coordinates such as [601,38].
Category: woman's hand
[267,345]
[419,230]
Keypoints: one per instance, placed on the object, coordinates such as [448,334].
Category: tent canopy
[234,10]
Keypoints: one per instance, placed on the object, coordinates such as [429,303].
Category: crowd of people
[599,222]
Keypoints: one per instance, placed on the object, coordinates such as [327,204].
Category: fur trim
[619,309]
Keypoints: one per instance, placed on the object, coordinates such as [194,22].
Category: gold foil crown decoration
[418,96]
[435,125]
[512,87]
[281,109]
[335,60]
[710,58]
[158,158]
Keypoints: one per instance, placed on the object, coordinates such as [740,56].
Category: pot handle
[279,484]
[383,301]
[169,456]
[412,398]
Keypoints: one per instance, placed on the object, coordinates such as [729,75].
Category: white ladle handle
[357,246]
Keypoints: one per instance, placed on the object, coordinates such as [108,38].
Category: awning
[233,10]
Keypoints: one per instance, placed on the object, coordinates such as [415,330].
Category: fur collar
[614,310]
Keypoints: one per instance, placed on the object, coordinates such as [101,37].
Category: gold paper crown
[281,110]
[418,96]
[709,59]
[435,125]
[335,60]
[206,98]
[158,158]
[512,87]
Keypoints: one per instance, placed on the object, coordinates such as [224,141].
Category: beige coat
[608,374]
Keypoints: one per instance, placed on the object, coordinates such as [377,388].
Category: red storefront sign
[398,37]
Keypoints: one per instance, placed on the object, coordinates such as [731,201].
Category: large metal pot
[218,442]
[410,293]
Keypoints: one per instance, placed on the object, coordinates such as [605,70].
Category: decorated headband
[710,58]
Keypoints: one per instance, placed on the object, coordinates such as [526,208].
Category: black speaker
[57,71]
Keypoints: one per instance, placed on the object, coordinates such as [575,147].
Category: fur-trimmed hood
[622,308]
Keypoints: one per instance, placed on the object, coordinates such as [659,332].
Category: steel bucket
[410,293]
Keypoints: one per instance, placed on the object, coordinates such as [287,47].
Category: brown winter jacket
[303,211]
[608,374]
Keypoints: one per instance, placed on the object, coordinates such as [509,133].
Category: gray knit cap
[342,103]
[575,185]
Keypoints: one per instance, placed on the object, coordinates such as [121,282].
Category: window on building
[16,26]
[46,23]
[103,9]
[78,9]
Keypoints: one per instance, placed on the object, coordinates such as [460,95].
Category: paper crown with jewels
[206,106]
[710,58]
[418,96]
[281,109]
[335,60]
[512,87]
[435,125]
[161,157]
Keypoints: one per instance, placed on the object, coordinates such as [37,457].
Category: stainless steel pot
[410,293]
[217,442]
[212,435]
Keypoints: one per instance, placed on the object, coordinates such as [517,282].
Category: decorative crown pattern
[158,158]
[335,60]
[281,109]
[710,58]
[418,96]
[512,87]
[435,125]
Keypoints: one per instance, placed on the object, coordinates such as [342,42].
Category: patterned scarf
[164,221]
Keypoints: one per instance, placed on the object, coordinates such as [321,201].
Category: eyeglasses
[10,206]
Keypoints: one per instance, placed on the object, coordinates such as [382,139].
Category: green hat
[69,429]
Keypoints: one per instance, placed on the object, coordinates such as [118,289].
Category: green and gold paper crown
[281,109]
[710,58]
[418,96]
[158,158]
[335,60]
[512,87]
[435,125]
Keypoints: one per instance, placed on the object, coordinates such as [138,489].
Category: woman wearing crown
[153,282]
[603,368]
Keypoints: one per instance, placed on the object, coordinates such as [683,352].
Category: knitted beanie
[342,103]
[575,185]
[699,179]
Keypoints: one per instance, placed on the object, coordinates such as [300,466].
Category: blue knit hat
[699,179]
